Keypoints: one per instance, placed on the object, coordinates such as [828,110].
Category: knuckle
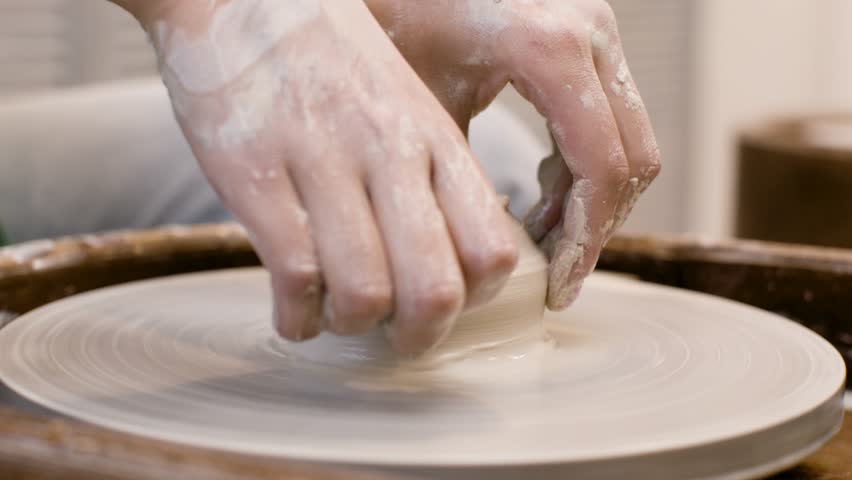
[556,40]
[364,301]
[436,302]
[651,166]
[413,339]
[616,175]
[603,15]
[651,170]
[425,317]
[494,260]
[296,331]
[298,278]
[571,37]
[290,328]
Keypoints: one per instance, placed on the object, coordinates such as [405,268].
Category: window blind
[53,43]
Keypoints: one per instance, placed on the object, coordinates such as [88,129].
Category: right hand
[358,190]
[566,58]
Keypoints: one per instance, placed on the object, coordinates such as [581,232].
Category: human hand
[357,189]
[565,57]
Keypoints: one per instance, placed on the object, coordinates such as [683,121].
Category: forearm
[259,24]
[147,11]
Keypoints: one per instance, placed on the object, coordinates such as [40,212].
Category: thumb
[555,180]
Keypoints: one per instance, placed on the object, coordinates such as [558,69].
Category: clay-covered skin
[355,181]
[565,57]
[357,188]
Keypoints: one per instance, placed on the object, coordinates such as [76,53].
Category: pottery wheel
[636,379]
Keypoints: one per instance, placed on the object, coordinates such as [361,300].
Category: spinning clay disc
[633,379]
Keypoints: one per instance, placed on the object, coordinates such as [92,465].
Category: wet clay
[512,320]
[193,359]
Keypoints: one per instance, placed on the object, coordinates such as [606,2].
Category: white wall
[754,59]
[48,44]
[834,77]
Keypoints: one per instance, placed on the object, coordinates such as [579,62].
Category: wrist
[147,11]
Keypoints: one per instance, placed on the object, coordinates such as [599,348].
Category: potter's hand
[565,57]
[357,188]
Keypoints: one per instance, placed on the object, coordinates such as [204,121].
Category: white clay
[570,243]
[213,60]
[600,40]
[623,86]
[512,319]
[265,22]
[588,100]
[634,378]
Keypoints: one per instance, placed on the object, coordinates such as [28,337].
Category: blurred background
[706,68]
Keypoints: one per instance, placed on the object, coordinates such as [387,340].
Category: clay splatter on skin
[407,130]
[632,193]
[489,205]
[624,87]
[571,240]
[482,15]
[569,245]
[179,52]
[458,89]
[588,100]
[492,17]
[575,212]
[250,103]
[600,40]
[478,57]
[299,214]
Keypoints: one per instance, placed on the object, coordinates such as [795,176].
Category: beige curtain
[53,43]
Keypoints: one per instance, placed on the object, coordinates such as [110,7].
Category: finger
[477,221]
[555,180]
[268,206]
[634,124]
[640,145]
[586,133]
[352,257]
[429,289]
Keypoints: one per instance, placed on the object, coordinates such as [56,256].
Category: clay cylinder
[513,319]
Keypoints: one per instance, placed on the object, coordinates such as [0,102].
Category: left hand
[565,57]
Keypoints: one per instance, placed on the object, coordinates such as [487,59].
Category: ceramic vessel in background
[795,181]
